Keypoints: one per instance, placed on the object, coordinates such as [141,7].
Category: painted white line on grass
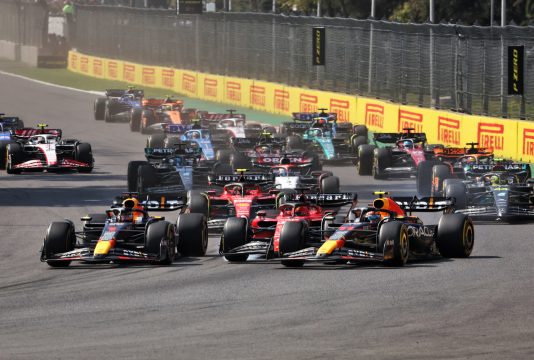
[94,92]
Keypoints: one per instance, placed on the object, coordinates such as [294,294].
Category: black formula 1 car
[119,105]
[385,232]
[126,233]
[43,149]
[497,192]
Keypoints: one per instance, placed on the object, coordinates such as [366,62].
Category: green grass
[67,78]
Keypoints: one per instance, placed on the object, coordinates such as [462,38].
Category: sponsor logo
[129,73]
[374,115]
[528,142]
[491,135]
[74,61]
[257,95]
[233,91]
[419,231]
[97,67]
[308,103]
[449,130]
[189,83]
[210,87]
[84,64]
[281,100]
[408,119]
[149,76]
[113,69]
[341,108]
[167,78]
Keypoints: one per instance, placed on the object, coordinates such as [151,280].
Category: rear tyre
[15,155]
[365,159]
[292,238]
[99,108]
[382,159]
[3,153]
[133,174]
[147,119]
[198,204]
[440,173]
[396,231]
[160,240]
[357,141]
[234,234]
[192,232]
[84,154]
[330,185]
[135,120]
[294,142]
[424,177]
[458,192]
[59,238]
[147,176]
[361,130]
[223,155]
[455,236]
[156,141]
[107,113]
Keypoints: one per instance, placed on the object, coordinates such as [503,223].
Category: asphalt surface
[205,308]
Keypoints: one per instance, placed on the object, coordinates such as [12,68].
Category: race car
[147,104]
[43,149]
[292,176]
[261,235]
[117,105]
[496,192]
[386,232]
[242,196]
[126,233]
[447,163]
[400,158]
[8,125]
[155,120]
[167,171]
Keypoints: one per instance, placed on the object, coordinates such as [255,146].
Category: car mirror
[261,213]
[86,218]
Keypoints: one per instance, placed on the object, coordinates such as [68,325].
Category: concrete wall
[28,55]
[8,50]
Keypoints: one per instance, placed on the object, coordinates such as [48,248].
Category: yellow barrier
[509,138]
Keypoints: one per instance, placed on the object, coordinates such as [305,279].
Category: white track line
[93,92]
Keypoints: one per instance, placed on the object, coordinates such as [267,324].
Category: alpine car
[43,149]
[125,233]
[117,104]
[496,192]
[261,235]
[8,125]
[400,158]
[385,232]
[242,196]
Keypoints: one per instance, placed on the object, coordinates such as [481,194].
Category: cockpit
[239,189]
[225,123]
[43,139]
[283,171]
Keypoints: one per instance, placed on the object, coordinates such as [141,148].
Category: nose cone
[103,247]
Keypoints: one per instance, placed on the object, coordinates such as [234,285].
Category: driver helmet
[372,217]
[196,135]
[407,144]
[494,180]
[236,191]
[287,211]
[264,149]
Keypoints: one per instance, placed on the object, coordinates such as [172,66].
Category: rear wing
[176,128]
[154,203]
[391,138]
[243,142]
[296,126]
[179,149]
[310,116]
[424,204]
[324,200]
[115,92]
[508,168]
[269,160]
[222,179]
[214,117]
[460,151]
[25,133]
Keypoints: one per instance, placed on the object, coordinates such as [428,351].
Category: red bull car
[261,235]
[126,233]
[43,149]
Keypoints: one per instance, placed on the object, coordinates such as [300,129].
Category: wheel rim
[403,244]
[468,237]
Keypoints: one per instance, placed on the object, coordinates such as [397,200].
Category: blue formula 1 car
[118,105]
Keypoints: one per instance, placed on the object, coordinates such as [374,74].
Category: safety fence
[23,22]
[509,138]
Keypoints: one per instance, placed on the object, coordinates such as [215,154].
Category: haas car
[386,232]
[399,158]
[118,105]
[126,233]
[494,192]
[8,126]
[43,149]
[449,163]
[261,236]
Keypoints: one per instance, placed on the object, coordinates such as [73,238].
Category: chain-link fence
[23,22]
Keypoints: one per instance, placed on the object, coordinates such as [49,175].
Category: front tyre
[192,232]
[292,238]
[394,242]
[234,234]
[59,239]
[160,241]
[455,236]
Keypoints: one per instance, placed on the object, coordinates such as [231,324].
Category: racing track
[204,308]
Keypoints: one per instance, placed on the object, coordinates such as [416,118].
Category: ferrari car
[386,232]
[125,233]
[242,196]
[497,192]
[261,235]
[399,158]
[43,149]
[117,104]
[8,125]
[448,163]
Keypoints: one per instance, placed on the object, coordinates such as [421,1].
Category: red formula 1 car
[261,237]
[242,196]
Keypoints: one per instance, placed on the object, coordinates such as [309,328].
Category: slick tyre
[457,190]
[382,159]
[440,173]
[15,155]
[135,120]
[99,108]
[3,153]
[365,159]
[159,240]
[424,177]
[133,174]
[84,154]
[330,185]
[156,141]
[357,141]
[394,235]
[197,203]
[455,236]
[292,238]
[146,177]
[107,113]
[59,238]
[192,232]
[234,234]
[294,142]
[361,130]
[147,119]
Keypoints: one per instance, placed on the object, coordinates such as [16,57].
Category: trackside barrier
[512,139]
